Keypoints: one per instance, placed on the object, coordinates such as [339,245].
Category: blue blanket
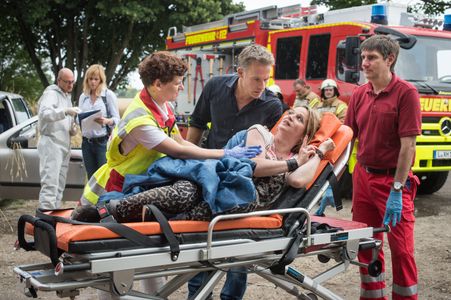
[226,183]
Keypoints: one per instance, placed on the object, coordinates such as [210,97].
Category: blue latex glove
[328,199]
[394,208]
[242,151]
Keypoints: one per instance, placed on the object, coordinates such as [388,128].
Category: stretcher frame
[115,271]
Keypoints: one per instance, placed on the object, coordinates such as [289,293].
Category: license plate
[442,154]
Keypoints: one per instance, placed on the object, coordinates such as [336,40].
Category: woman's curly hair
[161,65]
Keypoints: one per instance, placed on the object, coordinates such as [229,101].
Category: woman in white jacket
[96,96]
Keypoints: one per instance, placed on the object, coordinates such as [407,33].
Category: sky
[253,4]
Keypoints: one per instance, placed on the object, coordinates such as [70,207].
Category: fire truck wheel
[431,182]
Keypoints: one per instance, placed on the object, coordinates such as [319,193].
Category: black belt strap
[174,244]
[118,228]
[290,254]
[333,182]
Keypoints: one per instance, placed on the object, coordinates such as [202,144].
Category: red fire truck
[314,47]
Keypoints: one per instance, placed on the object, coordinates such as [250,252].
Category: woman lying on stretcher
[286,159]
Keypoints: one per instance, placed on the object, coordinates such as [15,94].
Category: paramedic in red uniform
[385,116]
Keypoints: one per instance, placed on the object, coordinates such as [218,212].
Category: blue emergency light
[379,14]
[447,20]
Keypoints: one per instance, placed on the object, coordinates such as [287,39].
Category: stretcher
[264,242]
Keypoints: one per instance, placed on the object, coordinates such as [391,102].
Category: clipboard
[87,119]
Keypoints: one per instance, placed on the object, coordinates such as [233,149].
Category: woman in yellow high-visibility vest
[147,130]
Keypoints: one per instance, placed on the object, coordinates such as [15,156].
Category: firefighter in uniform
[386,118]
[304,94]
[329,100]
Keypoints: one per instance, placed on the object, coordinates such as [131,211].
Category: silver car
[19,165]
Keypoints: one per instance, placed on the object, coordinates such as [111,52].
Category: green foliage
[16,74]
[116,34]
[338,4]
[431,7]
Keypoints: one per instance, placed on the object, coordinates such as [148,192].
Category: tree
[116,34]
[16,76]
[431,7]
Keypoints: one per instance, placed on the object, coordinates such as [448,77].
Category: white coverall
[55,129]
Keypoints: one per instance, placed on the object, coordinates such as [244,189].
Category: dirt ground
[432,251]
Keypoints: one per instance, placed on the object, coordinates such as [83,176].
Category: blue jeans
[93,154]
[234,286]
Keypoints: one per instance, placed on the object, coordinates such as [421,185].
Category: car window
[21,110]
[5,117]
[318,55]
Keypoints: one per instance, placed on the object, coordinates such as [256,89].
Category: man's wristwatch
[397,186]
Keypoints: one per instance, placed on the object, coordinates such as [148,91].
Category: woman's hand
[104,121]
[305,152]
[326,146]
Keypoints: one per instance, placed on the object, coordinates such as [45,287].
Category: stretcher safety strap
[290,254]
[174,244]
[333,182]
[118,228]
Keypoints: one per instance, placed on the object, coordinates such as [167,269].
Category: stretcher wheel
[322,258]
[375,268]
[312,296]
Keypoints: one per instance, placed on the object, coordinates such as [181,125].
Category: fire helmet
[329,83]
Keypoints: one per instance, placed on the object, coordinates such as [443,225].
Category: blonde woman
[96,96]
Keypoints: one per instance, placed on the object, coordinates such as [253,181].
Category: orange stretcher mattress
[67,233]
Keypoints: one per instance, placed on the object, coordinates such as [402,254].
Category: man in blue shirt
[233,103]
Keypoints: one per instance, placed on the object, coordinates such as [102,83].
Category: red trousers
[369,199]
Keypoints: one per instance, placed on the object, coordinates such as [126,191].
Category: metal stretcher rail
[206,253]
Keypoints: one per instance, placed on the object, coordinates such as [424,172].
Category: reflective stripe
[314,103]
[373,294]
[340,108]
[95,187]
[139,112]
[369,279]
[405,291]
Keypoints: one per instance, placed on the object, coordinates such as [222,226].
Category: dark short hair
[382,44]
[161,65]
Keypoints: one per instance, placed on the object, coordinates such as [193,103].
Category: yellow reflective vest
[110,176]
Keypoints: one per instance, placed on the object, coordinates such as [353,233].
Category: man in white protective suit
[56,126]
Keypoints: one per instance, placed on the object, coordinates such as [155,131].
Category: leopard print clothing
[182,196]
[184,199]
